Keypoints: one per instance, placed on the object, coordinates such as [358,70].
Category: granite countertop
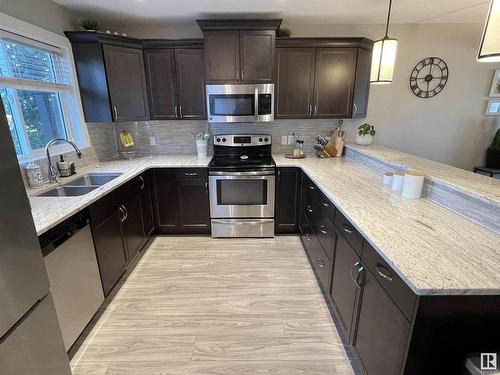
[49,211]
[435,250]
[476,185]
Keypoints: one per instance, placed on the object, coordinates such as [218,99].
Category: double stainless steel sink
[82,185]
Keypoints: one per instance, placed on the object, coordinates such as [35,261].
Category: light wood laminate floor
[197,305]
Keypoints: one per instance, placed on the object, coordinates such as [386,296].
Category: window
[39,94]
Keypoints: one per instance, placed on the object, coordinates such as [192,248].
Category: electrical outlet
[152,141]
[284,140]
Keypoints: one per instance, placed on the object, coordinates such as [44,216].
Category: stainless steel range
[242,177]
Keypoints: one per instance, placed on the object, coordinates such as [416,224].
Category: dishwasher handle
[55,237]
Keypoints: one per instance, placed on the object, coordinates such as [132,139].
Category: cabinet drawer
[324,229]
[349,232]
[397,289]
[310,192]
[182,173]
[326,207]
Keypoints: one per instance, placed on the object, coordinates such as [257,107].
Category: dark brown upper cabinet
[322,77]
[111,76]
[175,77]
[294,82]
[239,51]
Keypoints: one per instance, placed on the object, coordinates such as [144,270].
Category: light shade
[489,49]
[383,60]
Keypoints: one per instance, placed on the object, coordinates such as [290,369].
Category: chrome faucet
[52,170]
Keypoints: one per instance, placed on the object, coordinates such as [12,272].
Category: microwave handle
[256,104]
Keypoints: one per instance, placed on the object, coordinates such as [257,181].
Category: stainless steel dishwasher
[75,282]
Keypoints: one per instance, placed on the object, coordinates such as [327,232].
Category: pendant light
[384,56]
[489,49]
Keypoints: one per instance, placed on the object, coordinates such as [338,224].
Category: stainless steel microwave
[240,103]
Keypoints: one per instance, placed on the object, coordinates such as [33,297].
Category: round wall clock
[429,77]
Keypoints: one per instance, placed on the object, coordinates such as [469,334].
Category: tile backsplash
[176,137]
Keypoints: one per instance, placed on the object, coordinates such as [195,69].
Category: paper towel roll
[413,183]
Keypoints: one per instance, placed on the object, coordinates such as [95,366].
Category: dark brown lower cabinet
[134,227]
[182,203]
[287,200]
[382,331]
[344,289]
[148,219]
[110,249]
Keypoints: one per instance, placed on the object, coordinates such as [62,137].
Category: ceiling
[292,11]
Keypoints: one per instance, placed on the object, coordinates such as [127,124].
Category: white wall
[450,127]
[42,13]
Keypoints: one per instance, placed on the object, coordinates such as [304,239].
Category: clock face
[429,77]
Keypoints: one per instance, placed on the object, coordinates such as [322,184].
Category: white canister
[387,178]
[397,181]
[34,174]
[413,183]
[201,147]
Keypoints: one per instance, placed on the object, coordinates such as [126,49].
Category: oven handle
[252,173]
[236,222]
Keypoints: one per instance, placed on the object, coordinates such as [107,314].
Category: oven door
[242,194]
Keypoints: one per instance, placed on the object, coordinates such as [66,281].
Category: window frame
[75,127]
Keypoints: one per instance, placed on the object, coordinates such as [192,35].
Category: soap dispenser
[63,167]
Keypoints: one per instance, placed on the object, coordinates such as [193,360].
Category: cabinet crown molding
[325,42]
[239,24]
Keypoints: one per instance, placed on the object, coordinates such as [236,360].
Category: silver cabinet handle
[237,74]
[310,110]
[324,204]
[307,236]
[356,277]
[206,188]
[124,216]
[315,109]
[355,109]
[309,209]
[242,75]
[181,115]
[115,112]
[310,187]
[347,228]
[191,174]
[321,262]
[126,212]
[384,272]
[176,111]
[322,229]
[143,183]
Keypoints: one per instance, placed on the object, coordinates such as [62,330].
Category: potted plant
[89,24]
[493,152]
[283,32]
[365,134]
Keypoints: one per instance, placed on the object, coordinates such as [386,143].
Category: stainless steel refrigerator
[30,338]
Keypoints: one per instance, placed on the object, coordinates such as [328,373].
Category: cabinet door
[294,82]
[344,289]
[190,68]
[160,72]
[257,56]
[165,193]
[110,250]
[147,205]
[127,83]
[194,209]
[222,56]
[362,84]
[133,226]
[334,82]
[287,200]
[382,331]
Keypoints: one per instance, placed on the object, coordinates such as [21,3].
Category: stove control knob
[266,139]
[218,139]
[260,139]
[223,139]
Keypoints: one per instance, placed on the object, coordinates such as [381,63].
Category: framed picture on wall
[493,107]
[495,85]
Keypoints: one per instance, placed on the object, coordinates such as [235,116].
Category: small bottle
[63,167]
[34,174]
